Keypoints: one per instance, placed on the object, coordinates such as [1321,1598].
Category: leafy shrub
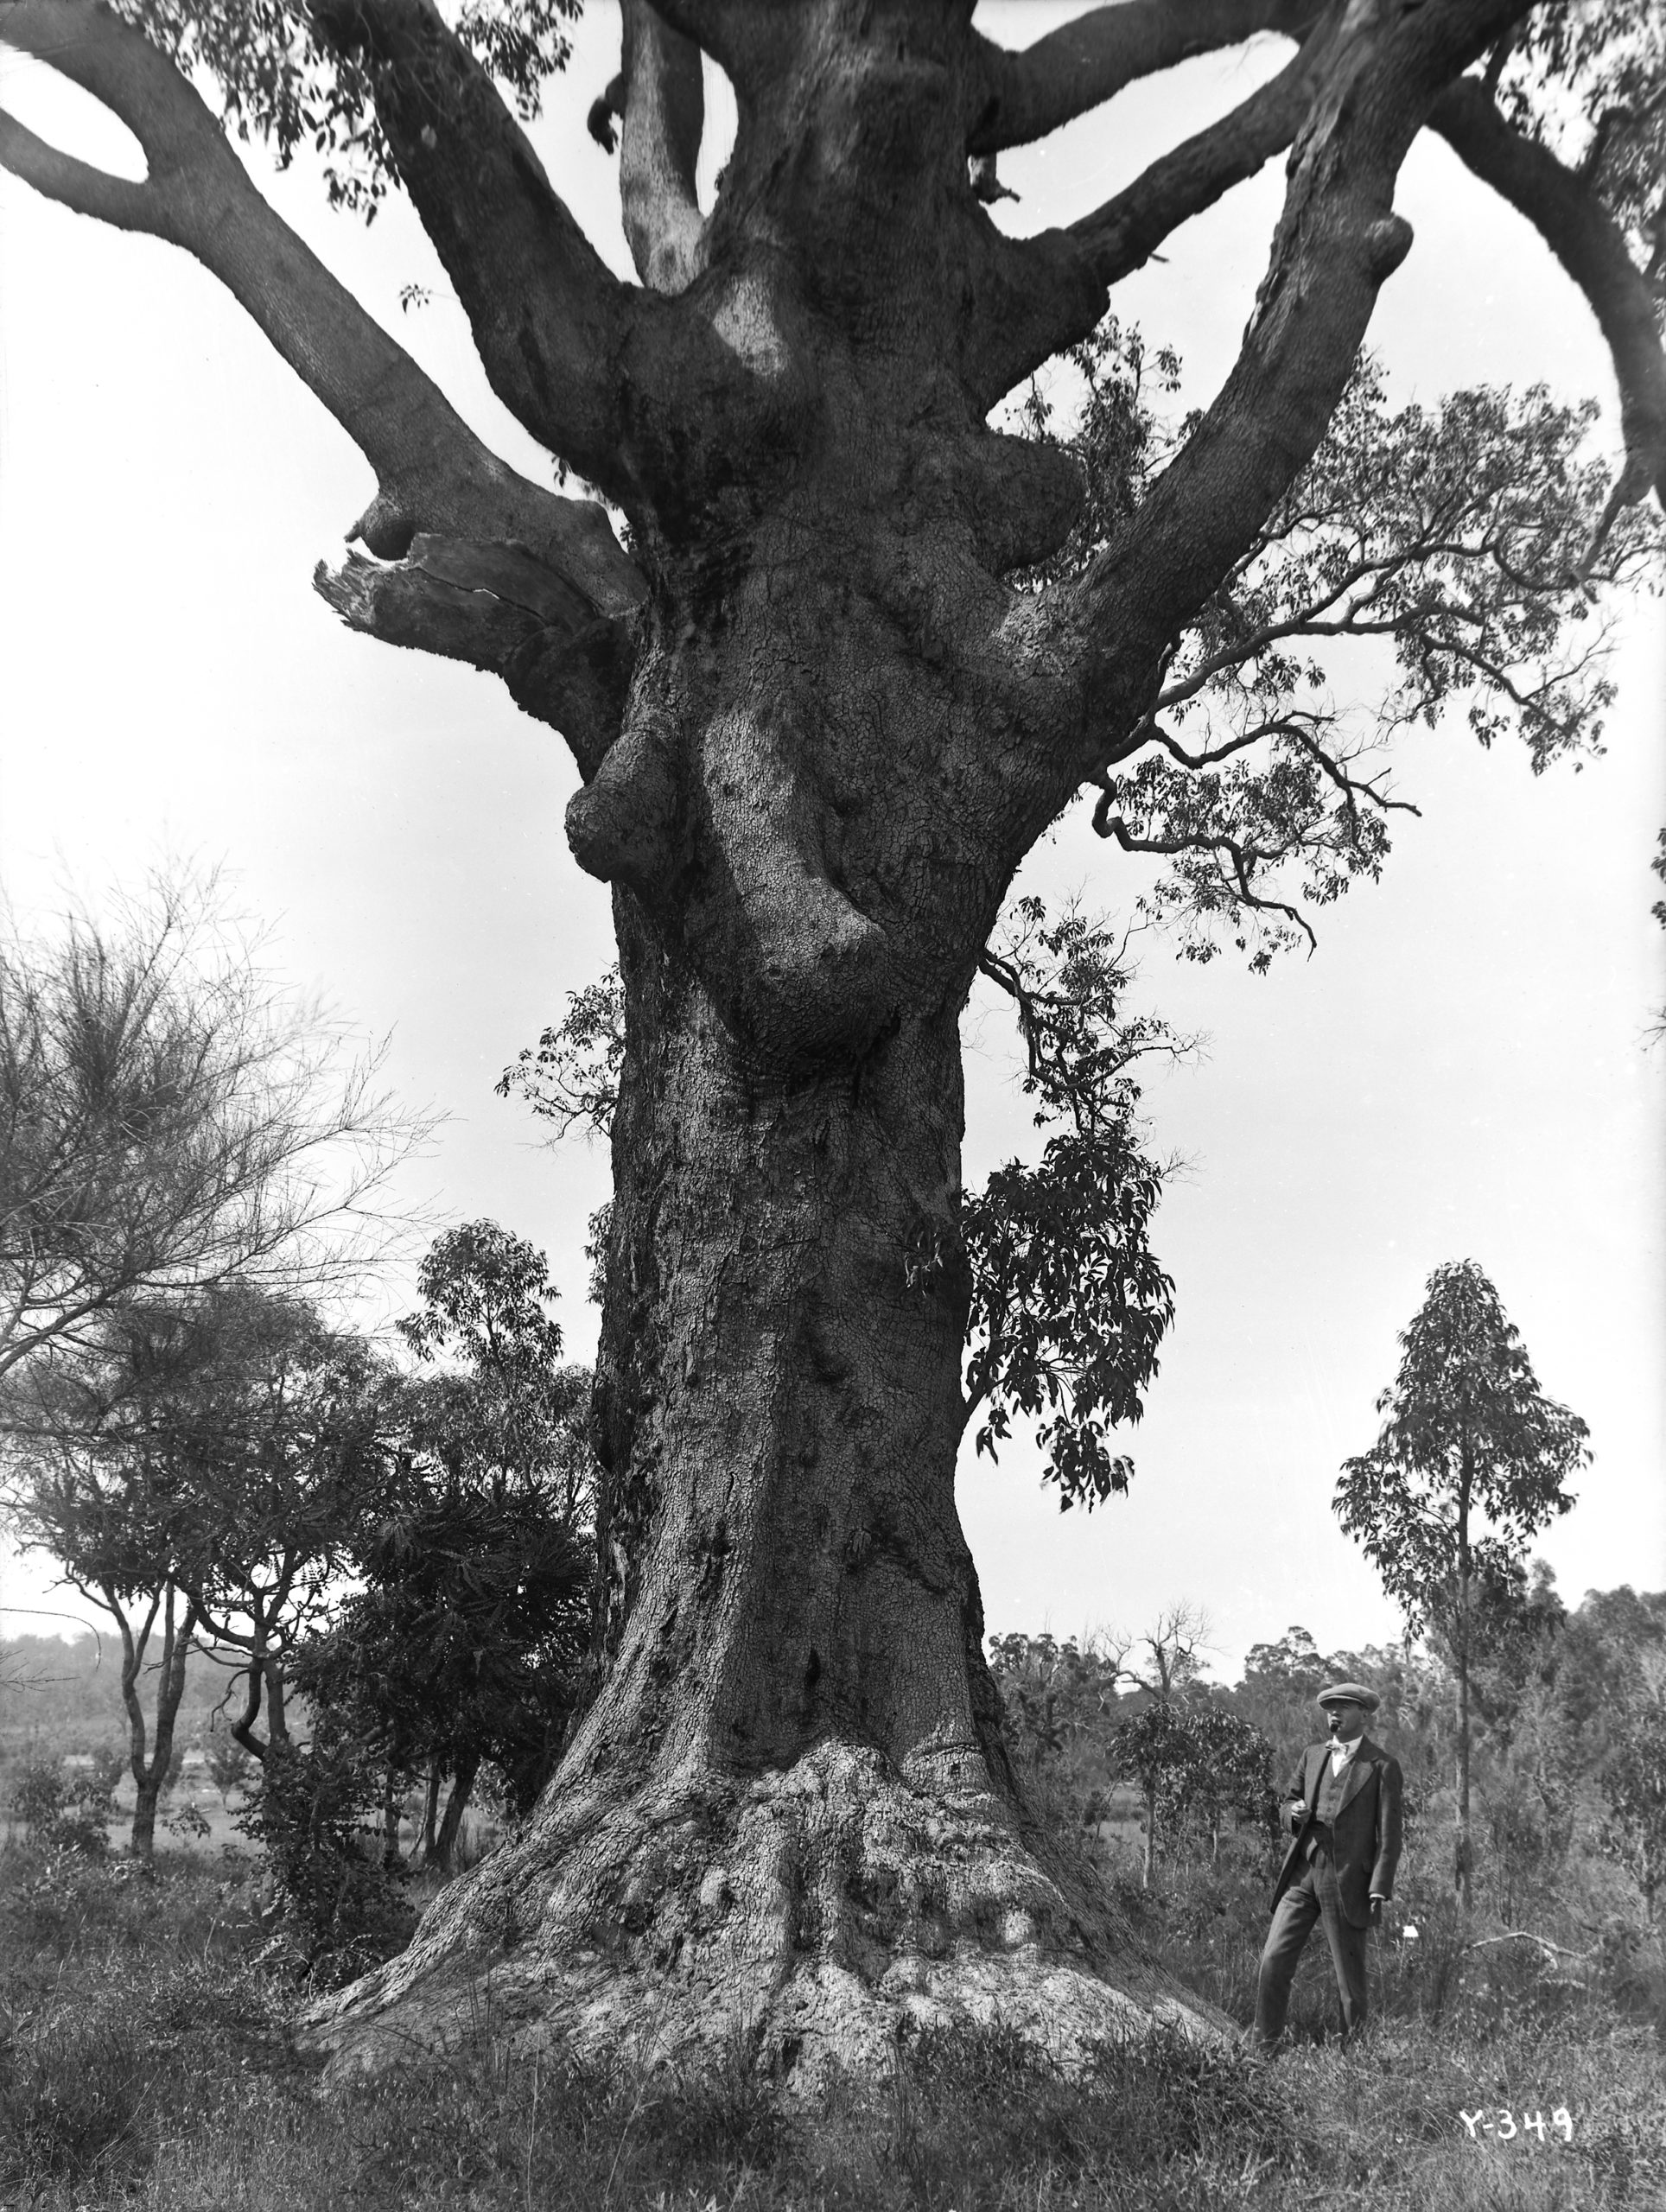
[62,1809]
[313,1814]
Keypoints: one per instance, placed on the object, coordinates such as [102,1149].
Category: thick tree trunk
[789,1812]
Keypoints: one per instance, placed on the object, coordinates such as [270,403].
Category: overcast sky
[1460,1070]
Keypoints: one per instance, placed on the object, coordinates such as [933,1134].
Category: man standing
[1344,1818]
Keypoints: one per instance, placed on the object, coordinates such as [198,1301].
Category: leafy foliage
[1069,1303]
[572,1075]
[290,74]
[340,1902]
[1448,550]
[1194,1763]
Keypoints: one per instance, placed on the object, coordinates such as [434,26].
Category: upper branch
[1052,287]
[436,479]
[1336,241]
[1571,219]
[1021,96]
[1123,234]
[663,117]
[548,316]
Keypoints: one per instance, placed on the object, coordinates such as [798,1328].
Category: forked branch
[1053,286]
[1122,235]
[548,316]
[434,476]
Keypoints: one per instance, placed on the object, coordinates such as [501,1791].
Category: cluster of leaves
[1054,1693]
[290,73]
[1069,1302]
[1460,551]
[1458,539]
[1117,433]
[572,1074]
[167,1120]
[62,1810]
[1471,1461]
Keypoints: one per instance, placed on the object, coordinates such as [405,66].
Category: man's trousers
[1313,1897]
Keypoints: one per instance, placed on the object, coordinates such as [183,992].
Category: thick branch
[1043,293]
[1021,96]
[1573,223]
[1122,235]
[548,316]
[1336,241]
[664,117]
[434,476]
[500,610]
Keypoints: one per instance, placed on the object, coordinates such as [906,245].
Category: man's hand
[1298,1808]
[1377,1905]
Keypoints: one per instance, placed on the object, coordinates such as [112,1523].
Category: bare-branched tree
[170,1119]
[857,649]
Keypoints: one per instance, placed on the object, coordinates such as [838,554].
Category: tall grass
[144,2063]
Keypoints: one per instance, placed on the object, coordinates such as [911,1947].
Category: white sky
[1459,1072]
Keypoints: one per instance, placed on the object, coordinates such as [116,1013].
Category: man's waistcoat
[1361,1808]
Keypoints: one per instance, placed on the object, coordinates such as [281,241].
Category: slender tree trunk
[431,1811]
[456,1803]
[151,1755]
[391,1794]
[1464,1847]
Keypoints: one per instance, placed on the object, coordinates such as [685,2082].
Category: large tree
[852,649]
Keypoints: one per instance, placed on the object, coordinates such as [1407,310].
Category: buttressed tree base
[856,651]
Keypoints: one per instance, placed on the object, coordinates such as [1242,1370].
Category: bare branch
[1123,234]
[1024,96]
[75,184]
[435,475]
[497,608]
[1571,219]
[548,316]
[434,472]
[664,116]
[1046,292]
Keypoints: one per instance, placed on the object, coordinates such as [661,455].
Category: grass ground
[144,2063]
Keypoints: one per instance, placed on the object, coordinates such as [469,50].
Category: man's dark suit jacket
[1365,1836]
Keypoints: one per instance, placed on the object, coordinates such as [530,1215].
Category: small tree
[466,1644]
[89,1481]
[1193,1762]
[168,1119]
[1470,1463]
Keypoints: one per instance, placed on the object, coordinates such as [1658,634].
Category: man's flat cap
[1350,1693]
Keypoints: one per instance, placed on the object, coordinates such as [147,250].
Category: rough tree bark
[818,730]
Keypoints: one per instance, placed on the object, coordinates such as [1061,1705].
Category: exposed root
[809,1917]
